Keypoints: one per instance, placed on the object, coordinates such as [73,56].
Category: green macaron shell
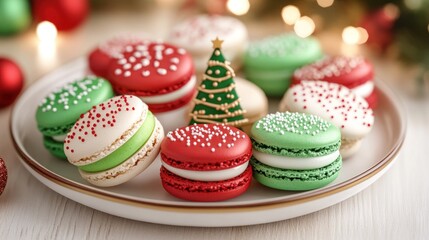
[283,51]
[125,151]
[295,135]
[295,180]
[54,147]
[59,110]
[270,62]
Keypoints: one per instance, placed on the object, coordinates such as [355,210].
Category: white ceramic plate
[144,199]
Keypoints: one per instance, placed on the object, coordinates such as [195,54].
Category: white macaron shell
[113,124]
[172,96]
[206,176]
[334,103]
[364,90]
[285,162]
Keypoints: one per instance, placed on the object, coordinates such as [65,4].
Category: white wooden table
[395,207]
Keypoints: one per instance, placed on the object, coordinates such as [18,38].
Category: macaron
[295,151]
[161,75]
[253,101]
[59,110]
[270,62]
[195,33]
[206,162]
[114,141]
[99,58]
[335,103]
[355,73]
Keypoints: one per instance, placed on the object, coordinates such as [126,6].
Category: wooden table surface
[394,207]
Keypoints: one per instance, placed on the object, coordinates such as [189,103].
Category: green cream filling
[125,151]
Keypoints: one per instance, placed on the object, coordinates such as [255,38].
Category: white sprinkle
[137,67]
[181,51]
[118,71]
[122,61]
[132,59]
[145,73]
[156,64]
[173,67]
[175,60]
[213,149]
[129,48]
[168,51]
[162,71]
[127,74]
[126,66]
[145,62]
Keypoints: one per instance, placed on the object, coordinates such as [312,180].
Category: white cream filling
[172,96]
[206,176]
[365,89]
[295,163]
[60,138]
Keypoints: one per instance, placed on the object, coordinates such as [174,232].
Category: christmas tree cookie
[217,100]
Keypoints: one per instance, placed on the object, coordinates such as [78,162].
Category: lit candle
[47,34]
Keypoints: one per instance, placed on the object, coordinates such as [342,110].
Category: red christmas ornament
[3,175]
[11,81]
[64,14]
[379,24]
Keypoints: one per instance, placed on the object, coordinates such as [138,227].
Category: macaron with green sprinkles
[114,141]
[59,110]
[295,151]
[271,62]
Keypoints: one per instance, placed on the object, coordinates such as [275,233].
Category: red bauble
[11,81]
[64,14]
[3,175]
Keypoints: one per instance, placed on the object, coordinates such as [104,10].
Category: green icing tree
[217,100]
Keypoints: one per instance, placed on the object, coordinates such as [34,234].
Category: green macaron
[295,151]
[60,109]
[270,62]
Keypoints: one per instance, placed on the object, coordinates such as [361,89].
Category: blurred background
[39,35]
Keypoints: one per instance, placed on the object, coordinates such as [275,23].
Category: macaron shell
[295,131]
[195,33]
[209,144]
[99,58]
[205,191]
[347,71]
[295,180]
[283,51]
[132,167]
[150,69]
[64,106]
[252,99]
[102,129]
[334,103]
[54,147]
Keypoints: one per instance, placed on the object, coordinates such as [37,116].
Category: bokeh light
[238,7]
[304,27]
[290,14]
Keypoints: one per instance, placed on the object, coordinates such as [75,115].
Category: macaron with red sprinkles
[161,74]
[114,141]
[335,103]
[356,73]
[206,162]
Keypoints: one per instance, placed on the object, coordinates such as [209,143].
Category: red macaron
[355,73]
[99,58]
[161,74]
[206,162]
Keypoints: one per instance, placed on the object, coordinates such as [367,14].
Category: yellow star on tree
[217,43]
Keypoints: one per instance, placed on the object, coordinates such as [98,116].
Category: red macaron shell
[205,191]
[164,107]
[372,99]
[99,58]
[150,68]
[348,71]
[204,147]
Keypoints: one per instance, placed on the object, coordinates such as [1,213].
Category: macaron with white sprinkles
[295,151]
